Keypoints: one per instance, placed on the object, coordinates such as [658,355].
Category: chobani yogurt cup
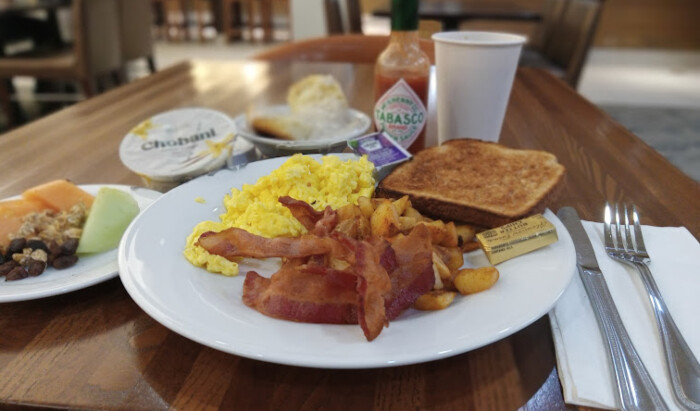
[176,146]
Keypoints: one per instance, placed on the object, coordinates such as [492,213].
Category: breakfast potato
[380,200]
[465,233]
[451,256]
[384,221]
[443,276]
[434,300]
[406,224]
[366,206]
[450,239]
[347,227]
[437,230]
[348,212]
[363,227]
[474,280]
[401,204]
[413,213]
[470,246]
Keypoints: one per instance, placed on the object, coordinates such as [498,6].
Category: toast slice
[476,182]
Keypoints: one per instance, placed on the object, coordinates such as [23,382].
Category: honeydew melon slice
[109,216]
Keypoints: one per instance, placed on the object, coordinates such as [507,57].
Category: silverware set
[624,242]
[622,245]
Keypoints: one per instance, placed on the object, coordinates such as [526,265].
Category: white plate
[207,308]
[358,123]
[89,270]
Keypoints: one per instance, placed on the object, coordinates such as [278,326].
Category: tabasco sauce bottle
[401,80]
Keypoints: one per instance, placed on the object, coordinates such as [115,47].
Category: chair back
[354,17]
[316,18]
[353,48]
[334,17]
[96,36]
[551,14]
[570,39]
[135,20]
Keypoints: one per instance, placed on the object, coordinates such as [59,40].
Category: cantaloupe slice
[60,195]
[11,214]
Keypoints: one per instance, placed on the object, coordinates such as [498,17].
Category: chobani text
[180,141]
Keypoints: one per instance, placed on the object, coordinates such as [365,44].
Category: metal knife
[635,388]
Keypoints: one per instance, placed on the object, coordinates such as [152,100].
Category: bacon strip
[316,222]
[330,277]
[236,242]
[295,295]
[373,284]
[413,275]
[317,265]
[302,211]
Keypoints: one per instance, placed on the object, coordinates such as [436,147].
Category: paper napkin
[582,361]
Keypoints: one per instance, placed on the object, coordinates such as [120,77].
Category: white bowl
[336,141]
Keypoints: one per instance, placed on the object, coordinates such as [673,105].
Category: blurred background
[638,60]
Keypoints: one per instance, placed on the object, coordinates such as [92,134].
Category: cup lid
[181,143]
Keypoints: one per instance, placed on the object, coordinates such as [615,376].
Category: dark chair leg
[88,87]
[5,103]
[119,76]
[151,63]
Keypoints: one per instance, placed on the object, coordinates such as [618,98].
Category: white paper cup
[474,73]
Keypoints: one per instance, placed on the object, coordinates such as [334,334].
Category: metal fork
[621,245]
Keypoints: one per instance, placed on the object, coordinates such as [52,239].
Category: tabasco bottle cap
[404,15]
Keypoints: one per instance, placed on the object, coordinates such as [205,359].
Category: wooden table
[95,348]
[451,13]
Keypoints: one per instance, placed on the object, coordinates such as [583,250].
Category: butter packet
[517,238]
[383,151]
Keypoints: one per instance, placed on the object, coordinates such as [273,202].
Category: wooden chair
[344,48]
[95,52]
[354,14]
[171,19]
[258,13]
[565,48]
[232,12]
[551,14]
[343,16]
[135,36]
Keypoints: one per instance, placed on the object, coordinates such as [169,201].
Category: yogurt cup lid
[181,143]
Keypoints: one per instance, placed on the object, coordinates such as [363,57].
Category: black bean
[35,267]
[54,251]
[37,244]
[64,261]
[7,266]
[16,246]
[17,273]
[70,246]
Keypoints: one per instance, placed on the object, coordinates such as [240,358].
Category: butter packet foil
[173,147]
[383,151]
[517,238]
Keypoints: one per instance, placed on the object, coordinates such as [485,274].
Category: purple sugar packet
[381,150]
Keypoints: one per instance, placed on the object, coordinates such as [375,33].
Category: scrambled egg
[255,208]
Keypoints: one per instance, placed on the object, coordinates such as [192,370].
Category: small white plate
[358,123]
[89,270]
[207,308]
